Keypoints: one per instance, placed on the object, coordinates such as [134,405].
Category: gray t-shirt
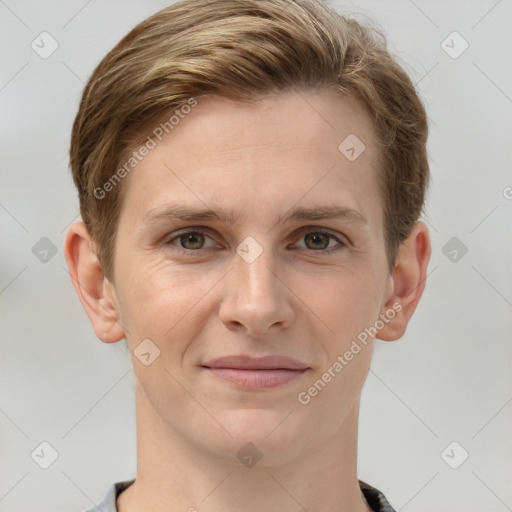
[374,497]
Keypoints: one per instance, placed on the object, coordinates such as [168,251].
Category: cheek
[342,300]
[160,303]
[347,304]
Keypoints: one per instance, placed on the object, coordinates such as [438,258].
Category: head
[270,112]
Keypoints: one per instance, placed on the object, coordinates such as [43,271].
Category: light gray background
[448,379]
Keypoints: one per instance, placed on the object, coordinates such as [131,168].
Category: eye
[190,240]
[320,241]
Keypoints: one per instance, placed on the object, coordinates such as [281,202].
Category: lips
[244,362]
[256,372]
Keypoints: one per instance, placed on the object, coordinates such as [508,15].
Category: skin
[259,161]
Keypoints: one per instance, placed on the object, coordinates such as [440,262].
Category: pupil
[192,241]
[318,237]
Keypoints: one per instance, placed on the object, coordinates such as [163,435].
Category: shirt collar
[373,496]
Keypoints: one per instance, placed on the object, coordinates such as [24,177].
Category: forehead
[297,148]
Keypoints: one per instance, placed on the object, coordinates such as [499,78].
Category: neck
[173,475]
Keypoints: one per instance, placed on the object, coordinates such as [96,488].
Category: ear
[92,287]
[407,282]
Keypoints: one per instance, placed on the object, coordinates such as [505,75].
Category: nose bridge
[254,269]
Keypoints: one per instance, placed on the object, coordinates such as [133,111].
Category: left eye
[319,240]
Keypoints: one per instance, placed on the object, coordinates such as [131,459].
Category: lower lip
[256,379]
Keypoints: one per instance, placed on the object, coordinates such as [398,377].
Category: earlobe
[408,282]
[94,290]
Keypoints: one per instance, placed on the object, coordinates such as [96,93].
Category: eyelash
[195,253]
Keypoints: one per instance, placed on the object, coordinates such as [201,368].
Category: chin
[270,436]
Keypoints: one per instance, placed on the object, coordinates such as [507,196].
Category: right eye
[189,240]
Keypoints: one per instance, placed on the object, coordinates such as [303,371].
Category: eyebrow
[175,211]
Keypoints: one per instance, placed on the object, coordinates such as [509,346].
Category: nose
[256,298]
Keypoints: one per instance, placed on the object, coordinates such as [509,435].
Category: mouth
[256,373]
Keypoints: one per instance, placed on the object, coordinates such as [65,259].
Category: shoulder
[375,498]
[108,504]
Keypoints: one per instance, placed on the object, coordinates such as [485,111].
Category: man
[250,176]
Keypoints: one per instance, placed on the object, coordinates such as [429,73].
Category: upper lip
[244,362]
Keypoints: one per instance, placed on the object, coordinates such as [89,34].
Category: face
[284,258]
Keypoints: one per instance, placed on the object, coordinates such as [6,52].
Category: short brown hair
[242,50]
